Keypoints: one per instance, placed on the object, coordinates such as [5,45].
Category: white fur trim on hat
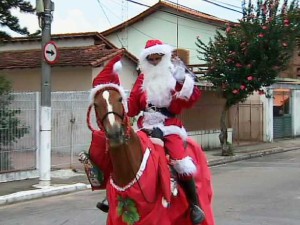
[185,166]
[101,86]
[156,49]
[187,88]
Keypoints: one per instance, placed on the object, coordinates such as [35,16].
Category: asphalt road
[260,191]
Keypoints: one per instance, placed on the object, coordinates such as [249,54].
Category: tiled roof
[75,56]
[180,9]
[99,40]
[95,35]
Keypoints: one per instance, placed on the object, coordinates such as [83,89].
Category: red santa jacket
[138,101]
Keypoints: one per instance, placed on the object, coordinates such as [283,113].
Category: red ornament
[235,91]
[242,87]
[238,65]
[250,78]
[261,35]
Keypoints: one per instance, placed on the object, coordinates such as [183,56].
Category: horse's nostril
[115,133]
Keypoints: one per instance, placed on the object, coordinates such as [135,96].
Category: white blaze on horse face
[111,117]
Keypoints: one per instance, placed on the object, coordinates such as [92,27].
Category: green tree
[247,56]
[12,22]
[11,128]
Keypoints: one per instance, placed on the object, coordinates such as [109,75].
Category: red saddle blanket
[143,201]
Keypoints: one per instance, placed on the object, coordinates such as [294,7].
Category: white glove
[179,73]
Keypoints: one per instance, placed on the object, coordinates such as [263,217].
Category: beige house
[81,57]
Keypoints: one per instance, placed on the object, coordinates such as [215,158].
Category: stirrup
[102,206]
[197,214]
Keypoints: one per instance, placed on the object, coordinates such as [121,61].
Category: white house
[174,24]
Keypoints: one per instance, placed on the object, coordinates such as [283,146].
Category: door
[282,118]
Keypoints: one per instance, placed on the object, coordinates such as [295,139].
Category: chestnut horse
[136,170]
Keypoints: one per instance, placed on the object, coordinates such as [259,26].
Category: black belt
[162,110]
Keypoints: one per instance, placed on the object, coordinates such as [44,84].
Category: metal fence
[70,134]
[18,154]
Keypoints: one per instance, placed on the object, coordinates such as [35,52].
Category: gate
[70,134]
[248,122]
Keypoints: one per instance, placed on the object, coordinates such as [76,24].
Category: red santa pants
[183,164]
[174,146]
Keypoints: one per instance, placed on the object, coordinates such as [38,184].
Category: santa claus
[162,91]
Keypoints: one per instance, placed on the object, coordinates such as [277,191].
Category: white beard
[158,82]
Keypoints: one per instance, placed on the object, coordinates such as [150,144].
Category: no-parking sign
[51,52]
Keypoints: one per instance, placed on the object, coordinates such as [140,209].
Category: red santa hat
[109,78]
[155,47]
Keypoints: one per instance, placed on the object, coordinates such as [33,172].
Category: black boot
[103,206]
[197,214]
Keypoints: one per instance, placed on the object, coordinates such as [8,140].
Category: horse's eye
[120,99]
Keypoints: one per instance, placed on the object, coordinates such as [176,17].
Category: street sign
[51,53]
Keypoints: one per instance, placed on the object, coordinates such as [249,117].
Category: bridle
[114,113]
[100,121]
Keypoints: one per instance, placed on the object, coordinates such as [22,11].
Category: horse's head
[109,101]
[111,115]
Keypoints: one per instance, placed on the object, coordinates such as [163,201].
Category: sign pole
[45,113]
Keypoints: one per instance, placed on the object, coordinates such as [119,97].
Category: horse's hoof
[197,214]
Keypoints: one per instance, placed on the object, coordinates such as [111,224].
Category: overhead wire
[109,21]
[222,6]
[175,14]
[228,4]
[144,5]
[131,26]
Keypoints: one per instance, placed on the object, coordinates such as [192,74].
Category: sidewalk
[66,181]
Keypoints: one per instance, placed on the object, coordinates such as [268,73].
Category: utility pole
[44,13]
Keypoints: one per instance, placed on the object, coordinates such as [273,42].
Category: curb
[43,192]
[255,154]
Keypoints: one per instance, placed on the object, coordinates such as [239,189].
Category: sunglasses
[154,59]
